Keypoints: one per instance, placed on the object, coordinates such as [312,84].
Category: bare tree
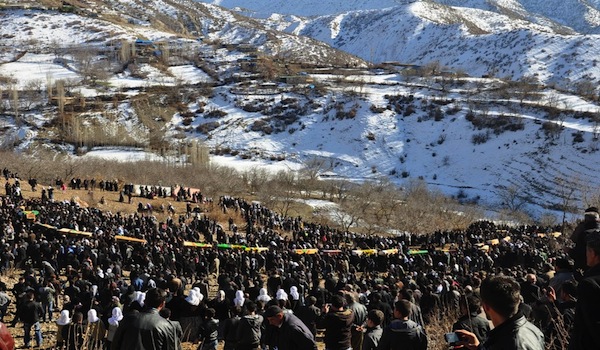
[512,198]
[32,94]
[309,174]
[281,192]
[15,104]
[566,191]
[256,179]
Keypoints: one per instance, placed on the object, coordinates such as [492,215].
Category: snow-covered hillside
[555,41]
[306,8]
[470,40]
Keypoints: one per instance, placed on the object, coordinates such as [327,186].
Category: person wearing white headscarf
[113,324]
[95,330]
[263,296]
[193,298]
[294,293]
[281,295]
[62,321]
[239,298]
[283,301]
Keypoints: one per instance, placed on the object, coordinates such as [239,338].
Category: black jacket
[145,330]
[515,333]
[338,329]
[403,335]
[292,335]
[473,323]
[586,327]
[30,311]
[309,316]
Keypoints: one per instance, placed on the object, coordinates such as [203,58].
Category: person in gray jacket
[146,330]
[373,331]
[249,331]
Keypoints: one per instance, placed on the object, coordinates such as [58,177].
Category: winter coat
[586,327]
[249,332]
[514,333]
[145,331]
[403,335]
[338,326]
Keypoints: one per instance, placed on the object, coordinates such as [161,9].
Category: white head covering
[151,283]
[139,296]
[281,295]
[193,298]
[94,290]
[294,293]
[63,319]
[221,295]
[239,298]
[117,315]
[93,316]
[263,296]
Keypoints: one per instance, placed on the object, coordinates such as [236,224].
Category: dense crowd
[272,271]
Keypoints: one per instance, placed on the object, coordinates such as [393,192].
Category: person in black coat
[309,314]
[586,328]
[29,313]
[286,331]
[590,223]
[338,321]
[471,320]
[377,304]
[73,333]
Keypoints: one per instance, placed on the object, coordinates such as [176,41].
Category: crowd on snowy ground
[439,274]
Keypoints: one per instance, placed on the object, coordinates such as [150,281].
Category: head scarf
[239,298]
[92,316]
[63,319]
[193,298]
[117,315]
[281,295]
[294,293]
[263,296]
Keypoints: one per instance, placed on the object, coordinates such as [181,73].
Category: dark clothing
[586,327]
[388,313]
[515,333]
[248,332]
[145,330]
[530,292]
[371,338]
[30,311]
[230,332]
[403,335]
[338,329]
[209,333]
[474,323]
[292,335]
[73,335]
[589,224]
[309,315]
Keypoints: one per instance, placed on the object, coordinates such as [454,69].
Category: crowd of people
[280,282]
